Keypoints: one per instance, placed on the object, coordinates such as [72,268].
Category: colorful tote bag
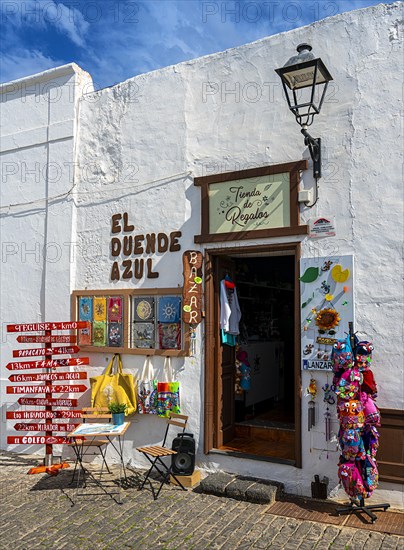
[114,386]
[168,393]
[147,390]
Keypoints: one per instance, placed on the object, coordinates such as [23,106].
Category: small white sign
[322,227]
[317,365]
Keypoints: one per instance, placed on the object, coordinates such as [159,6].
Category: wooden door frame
[211,394]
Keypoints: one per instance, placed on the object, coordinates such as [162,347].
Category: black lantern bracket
[314,145]
[304,77]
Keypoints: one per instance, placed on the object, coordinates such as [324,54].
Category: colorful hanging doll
[351,443]
[351,414]
[370,437]
[342,358]
[363,360]
[370,474]
[351,479]
[371,412]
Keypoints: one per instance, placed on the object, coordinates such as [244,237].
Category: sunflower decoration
[327,318]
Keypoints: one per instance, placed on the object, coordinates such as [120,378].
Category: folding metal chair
[156,453]
[82,447]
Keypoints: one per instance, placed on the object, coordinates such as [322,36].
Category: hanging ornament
[312,388]
[328,396]
[192,338]
[312,391]
[311,415]
[327,421]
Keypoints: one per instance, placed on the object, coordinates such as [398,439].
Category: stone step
[260,491]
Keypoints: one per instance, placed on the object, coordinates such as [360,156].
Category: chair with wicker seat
[156,453]
[82,447]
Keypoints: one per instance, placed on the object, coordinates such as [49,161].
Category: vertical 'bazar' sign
[192,291]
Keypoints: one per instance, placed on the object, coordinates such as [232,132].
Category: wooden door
[225,359]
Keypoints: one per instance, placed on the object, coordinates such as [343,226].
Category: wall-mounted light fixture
[300,76]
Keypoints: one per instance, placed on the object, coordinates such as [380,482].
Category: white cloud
[34,13]
[23,62]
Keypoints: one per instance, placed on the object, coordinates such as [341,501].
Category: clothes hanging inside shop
[230,313]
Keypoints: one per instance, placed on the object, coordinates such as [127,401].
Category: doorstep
[245,488]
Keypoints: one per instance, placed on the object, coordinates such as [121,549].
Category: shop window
[144,322]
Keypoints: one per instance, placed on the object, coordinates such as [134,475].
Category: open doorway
[266,341]
[257,392]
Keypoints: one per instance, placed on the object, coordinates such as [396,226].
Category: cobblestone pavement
[36,512]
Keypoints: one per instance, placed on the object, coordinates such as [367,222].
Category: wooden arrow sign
[67,339]
[46,377]
[47,402]
[45,351]
[46,389]
[37,427]
[36,440]
[37,327]
[42,415]
[49,363]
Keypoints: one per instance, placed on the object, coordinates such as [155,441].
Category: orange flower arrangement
[327,318]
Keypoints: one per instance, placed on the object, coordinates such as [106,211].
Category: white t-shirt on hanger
[230,313]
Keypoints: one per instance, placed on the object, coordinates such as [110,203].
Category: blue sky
[116,39]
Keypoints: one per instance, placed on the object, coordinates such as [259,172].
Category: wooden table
[88,432]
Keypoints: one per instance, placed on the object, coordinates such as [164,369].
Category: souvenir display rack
[138,335]
[357,504]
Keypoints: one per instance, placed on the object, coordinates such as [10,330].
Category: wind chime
[329,399]
[311,413]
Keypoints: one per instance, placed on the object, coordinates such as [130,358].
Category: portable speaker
[183,463]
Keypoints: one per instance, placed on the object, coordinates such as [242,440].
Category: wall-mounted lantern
[300,76]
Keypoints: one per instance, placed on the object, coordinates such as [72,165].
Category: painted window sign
[254,203]
[326,307]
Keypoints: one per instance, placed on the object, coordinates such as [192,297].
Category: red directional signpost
[42,415]
[62,385]
[66,339]
[43,402]
[45,351]
[48,363]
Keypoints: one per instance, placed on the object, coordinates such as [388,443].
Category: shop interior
[264,414]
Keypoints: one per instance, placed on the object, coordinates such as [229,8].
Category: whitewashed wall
[38,118]
[142,142]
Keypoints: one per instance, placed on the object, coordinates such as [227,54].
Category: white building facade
[144,153]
